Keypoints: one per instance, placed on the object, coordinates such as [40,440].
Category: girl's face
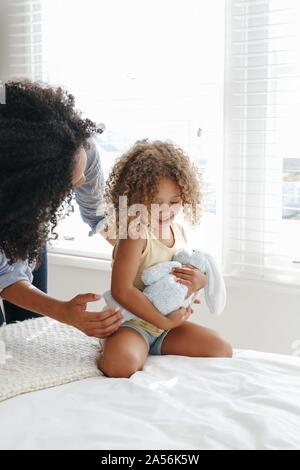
[168,198]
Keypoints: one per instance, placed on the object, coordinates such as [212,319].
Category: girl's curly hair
[139,171]
[40,135]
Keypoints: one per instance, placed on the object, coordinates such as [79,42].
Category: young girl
[157,175]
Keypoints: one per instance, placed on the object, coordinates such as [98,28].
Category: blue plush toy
[167,295]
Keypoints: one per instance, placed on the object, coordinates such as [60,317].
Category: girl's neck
[164,234]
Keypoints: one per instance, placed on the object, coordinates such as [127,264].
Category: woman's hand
[178,317]
[190,277]
[100,325]
[73,312]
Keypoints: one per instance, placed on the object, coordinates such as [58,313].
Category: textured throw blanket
[43,353]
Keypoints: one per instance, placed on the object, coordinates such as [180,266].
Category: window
[291,189]
[155,69]
[21,55]
[145,69]
[262,204]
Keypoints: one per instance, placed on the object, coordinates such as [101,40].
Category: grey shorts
[154,343]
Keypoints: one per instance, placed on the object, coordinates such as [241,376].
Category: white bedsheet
[249,402]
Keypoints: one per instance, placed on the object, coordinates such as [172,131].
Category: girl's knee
[119,367]
[222,348]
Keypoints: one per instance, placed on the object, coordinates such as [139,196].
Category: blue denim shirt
[90,201]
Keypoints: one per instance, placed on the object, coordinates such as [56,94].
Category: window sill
[281,287]
[85,246]
[71,253]
[78,262]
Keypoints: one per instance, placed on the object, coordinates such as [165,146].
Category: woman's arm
[125,268]
[16,287]
[72,312]
[89,196]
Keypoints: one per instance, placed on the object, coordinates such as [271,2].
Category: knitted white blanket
[43,353]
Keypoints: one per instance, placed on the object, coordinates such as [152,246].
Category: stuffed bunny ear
[158,271]
[215,290]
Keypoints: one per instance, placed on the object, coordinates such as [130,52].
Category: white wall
[259,315]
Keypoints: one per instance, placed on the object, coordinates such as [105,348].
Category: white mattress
[249,402]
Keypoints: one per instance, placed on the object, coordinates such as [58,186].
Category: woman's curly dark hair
[40,135]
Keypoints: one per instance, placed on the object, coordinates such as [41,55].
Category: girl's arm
[125,268]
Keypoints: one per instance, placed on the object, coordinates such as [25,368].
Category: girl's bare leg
[193,340]
[125,352]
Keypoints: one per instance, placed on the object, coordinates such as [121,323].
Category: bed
[249,402]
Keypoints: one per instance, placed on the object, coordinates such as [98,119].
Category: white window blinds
[262,163]
[24,39]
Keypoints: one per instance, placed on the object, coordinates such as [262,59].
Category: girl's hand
[190,277]
[178,317]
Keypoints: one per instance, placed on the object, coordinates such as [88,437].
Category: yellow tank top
[156,252]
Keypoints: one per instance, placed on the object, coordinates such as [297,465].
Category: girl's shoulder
[136,242]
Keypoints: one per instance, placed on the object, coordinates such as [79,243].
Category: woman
[46,153]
